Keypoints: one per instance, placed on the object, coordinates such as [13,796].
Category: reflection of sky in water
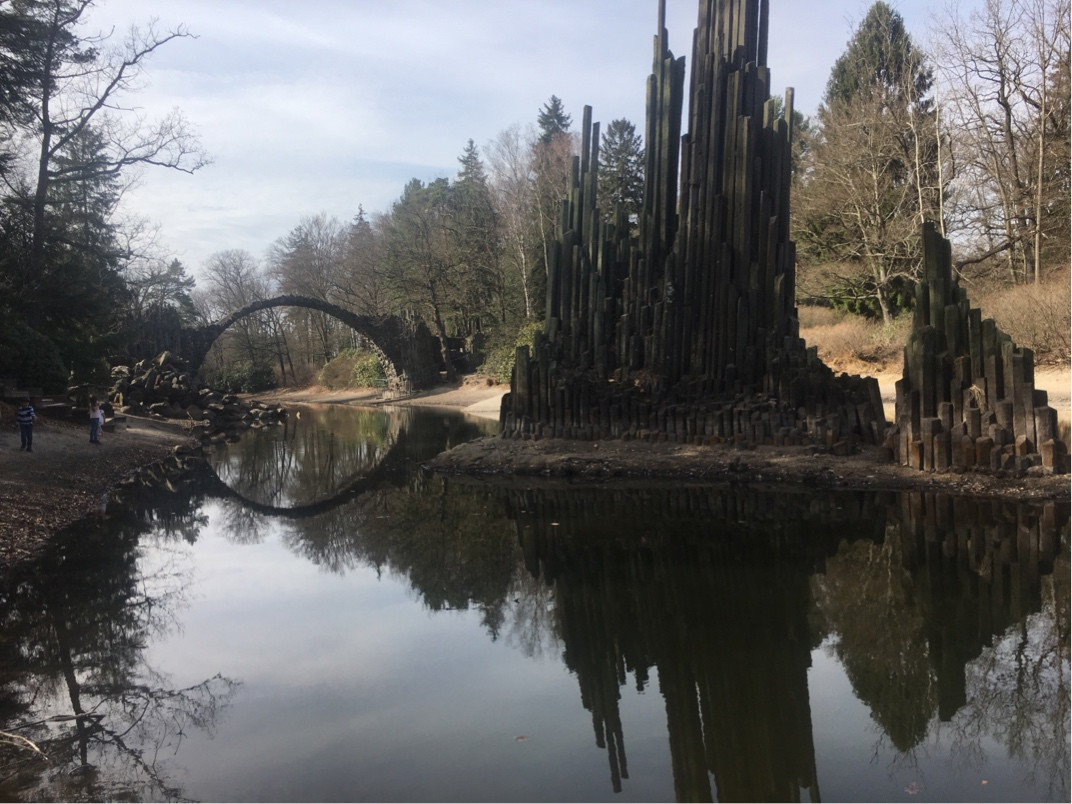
[352,690]
[855,761]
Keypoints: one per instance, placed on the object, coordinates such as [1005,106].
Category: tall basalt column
[689,333]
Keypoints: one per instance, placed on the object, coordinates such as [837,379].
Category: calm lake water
[311,617]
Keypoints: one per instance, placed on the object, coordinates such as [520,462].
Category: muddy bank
[559,459]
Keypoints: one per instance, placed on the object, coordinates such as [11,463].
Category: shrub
[854,343]
[353,368]
[1035,316]
[368,371]
[243,376]
[499,362]
[336,373]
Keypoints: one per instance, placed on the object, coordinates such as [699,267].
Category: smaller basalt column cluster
[967,398]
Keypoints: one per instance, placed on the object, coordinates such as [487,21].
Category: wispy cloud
[326,105]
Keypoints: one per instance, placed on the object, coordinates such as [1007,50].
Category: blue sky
[320,106]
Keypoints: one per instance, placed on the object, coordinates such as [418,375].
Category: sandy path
[1054,381]
[473,398]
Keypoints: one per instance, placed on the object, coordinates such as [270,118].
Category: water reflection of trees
[957,616]
[724,593]
[307,459]
[941,610]
[75,625]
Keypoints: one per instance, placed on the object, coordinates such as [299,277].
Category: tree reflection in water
[950,616]
[724,593]
[75,683]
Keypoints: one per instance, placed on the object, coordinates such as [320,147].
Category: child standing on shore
[26,419]
[96,419]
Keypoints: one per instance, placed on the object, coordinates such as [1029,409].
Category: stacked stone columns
[689,332]
[967,399]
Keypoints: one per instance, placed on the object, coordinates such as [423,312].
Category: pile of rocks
[164,388]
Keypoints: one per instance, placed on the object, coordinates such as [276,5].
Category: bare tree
[361,285]
[309,262]
[1004,73]
[233,279]
[81,85]
[512,183]
[873,170]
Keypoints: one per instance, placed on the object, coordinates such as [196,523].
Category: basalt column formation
[688,331]
[967,398]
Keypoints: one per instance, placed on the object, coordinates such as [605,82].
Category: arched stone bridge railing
[408,351]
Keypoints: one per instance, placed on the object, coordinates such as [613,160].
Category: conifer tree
[621,170]
[873,172]
[553,120]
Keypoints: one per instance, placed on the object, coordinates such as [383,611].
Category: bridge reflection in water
[718,596]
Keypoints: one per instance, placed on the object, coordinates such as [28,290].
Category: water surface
[312,617]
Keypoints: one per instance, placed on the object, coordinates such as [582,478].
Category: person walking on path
[26,419]
[96,420]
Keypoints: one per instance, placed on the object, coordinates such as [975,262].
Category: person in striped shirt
[26,419]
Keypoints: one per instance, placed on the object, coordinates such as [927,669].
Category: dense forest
[970,130]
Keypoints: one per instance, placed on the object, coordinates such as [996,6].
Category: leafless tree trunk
[81,87]
[510,162]
[996,67]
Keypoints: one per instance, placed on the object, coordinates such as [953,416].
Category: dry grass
[854,344]
[1036,316]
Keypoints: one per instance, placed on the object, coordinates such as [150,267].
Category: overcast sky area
[322,106]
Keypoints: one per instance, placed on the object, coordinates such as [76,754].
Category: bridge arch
[215,486]
[408,351]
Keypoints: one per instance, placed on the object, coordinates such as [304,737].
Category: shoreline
[494,459]
[66,479]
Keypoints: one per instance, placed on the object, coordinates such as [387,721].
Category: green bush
[353,368]
[499,362]
[246,377]
[368,371]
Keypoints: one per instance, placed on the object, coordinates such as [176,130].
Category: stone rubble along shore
[163,388]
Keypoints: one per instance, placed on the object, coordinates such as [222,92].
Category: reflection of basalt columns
[967,399]
[689,332]
[984,565]
[713,588]
[715,597]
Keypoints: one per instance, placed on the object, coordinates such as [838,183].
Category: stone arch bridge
[408,351]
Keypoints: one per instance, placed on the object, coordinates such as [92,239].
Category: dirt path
[474,397]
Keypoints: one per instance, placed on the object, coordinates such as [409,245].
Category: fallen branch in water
[21,742]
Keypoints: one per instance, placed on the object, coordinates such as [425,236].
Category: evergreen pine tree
[553,120]
[621,170]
